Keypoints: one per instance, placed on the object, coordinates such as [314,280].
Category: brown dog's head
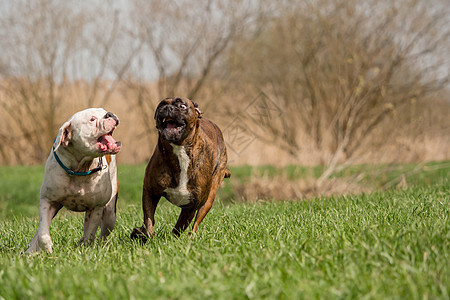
[176,118]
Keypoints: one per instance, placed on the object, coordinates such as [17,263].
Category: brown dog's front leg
[201,214]
[149,204]
[208,204]
[185,218]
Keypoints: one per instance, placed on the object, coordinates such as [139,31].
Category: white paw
[45,243]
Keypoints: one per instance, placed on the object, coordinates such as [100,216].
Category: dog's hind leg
[109,218]
[91,222]
[109,211]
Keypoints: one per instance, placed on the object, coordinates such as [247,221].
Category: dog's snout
[113,116]
[167,110]
[110,115]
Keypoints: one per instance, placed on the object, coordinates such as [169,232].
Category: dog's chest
[79,193]
[180,195]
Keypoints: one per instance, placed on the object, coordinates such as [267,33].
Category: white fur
[94,193]
[180,195]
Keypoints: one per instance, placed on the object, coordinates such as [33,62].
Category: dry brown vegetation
[327,82]
[281,188]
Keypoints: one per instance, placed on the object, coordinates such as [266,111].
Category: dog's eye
[93,119]
[183,106]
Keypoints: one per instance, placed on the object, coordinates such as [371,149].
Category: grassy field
[390,244]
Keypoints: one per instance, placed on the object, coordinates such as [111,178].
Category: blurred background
[329,83]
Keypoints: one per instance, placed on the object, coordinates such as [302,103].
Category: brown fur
[205,147]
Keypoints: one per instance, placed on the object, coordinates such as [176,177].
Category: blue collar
[70,172]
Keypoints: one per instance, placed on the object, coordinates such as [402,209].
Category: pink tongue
[171,125]
[107,143]
[108,139]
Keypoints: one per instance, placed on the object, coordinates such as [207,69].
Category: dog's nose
[167,111]
[113,116]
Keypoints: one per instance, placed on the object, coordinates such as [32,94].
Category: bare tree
[183,43]
[36,49]
[44,53]
[337,71]
[341,68]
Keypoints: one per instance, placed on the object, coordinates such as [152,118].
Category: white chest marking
[180,195]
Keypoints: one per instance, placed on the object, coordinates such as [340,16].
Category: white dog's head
[90,132]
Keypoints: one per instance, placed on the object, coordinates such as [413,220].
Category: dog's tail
[227,173]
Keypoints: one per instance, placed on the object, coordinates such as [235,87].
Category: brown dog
[187,167]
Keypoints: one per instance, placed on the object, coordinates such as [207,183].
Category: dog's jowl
[187,167]
[81,175]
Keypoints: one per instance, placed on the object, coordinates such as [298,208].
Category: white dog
[81,174]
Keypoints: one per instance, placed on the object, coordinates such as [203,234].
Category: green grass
[391,244]
[19,189]
[19,186]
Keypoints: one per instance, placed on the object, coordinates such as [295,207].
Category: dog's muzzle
[106,144]
[170,123]
[113,116]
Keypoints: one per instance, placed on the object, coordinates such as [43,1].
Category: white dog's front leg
[42,239]
[91,223]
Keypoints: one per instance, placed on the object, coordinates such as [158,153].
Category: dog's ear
[197,110]
[64,135]
[156,112]
[158,106]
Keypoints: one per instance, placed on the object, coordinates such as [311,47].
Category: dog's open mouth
[107,144]
[172,129]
